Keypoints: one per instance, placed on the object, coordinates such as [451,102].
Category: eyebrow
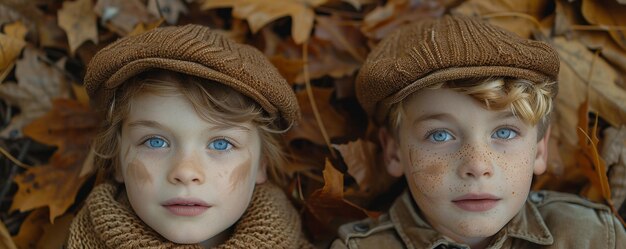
[435,116]
[214,127]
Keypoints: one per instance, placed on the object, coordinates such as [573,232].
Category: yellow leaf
[79,22]
[608,14]
[16,30]
[10,48]
[5,238]
[259,13]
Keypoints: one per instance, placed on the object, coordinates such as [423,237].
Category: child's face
[186,178]
[469,169]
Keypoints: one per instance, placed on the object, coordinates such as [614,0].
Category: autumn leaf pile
[46,125]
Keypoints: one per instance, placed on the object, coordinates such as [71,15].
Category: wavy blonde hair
[529,101]
[214,102]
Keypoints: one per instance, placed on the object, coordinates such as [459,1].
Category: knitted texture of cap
[449,48]
[195,50]
[104,222]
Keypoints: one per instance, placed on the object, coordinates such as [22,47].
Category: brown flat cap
[193,50]
[449,48]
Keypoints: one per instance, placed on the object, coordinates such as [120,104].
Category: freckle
[513,193]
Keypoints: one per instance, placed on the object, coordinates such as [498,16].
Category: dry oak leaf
[37,84]
[37,232]
[168,9]
[360,157]
[384,19]
[328,203]
[607,14]
[10,48]
[259,13]
[344,36]
[5,238]
[79,22]
[576,83]
[307,127]
[70,126]
[123,15]
[520,17]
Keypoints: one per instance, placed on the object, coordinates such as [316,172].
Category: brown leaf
[10,48]
[16,30]
[123,15]
[307,127]
[384,19]
[51,35]
[290,69]
[344,35]
[363,165]
[31,229]
[54,235]
[259,13]
[5,238]
[589,159]
[328,203]
[506,13]
[607,13]
[169,9]
[605,97]
[142,28]
[70,126]
[38,83]
[79,22]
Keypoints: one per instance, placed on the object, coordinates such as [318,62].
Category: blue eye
[504,133]
[155,142]
[220,144]
[440,136]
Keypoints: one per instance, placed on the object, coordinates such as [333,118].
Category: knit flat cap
[194,50]
[449,48]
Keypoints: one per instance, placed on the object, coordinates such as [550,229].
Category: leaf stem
[309,91]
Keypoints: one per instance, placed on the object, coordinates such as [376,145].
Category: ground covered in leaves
[46,125]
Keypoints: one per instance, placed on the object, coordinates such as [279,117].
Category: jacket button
[361,227]
[536,197]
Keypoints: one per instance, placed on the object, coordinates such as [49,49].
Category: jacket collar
[415,232]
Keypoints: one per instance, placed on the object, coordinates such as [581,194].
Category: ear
[261,174]
[541,158]
[391,153]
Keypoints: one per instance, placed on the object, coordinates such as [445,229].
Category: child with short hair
[189,142]
[464,108]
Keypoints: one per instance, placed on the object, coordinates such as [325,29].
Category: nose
[186,170]
[475,162]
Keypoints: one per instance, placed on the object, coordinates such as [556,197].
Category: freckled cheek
[427,171]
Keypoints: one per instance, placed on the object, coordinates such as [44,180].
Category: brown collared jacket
[547,220]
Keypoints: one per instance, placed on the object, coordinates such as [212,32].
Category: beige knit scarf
[269,222]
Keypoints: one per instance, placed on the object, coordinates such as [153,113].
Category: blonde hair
[529,101]
[213,101]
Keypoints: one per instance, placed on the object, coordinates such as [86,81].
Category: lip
[476,202]
[186,206]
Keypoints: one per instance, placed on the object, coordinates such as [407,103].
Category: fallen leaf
[70,126]
[607,14]
[328,203]
[54,235]
[79,22]
[31,229]
[384,19]
[5,238]
[123,15]
[259,13]
[364,167]
[605,96]
[520,17]
[38,83]
[168,9]
[51,35]
[344,35]
[307,127]
[16,30]
[10,48]
[589,159]
[142,28]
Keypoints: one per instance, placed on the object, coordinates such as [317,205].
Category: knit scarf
[104,222]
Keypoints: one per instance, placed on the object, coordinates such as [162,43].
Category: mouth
[186,206]
[476,202]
